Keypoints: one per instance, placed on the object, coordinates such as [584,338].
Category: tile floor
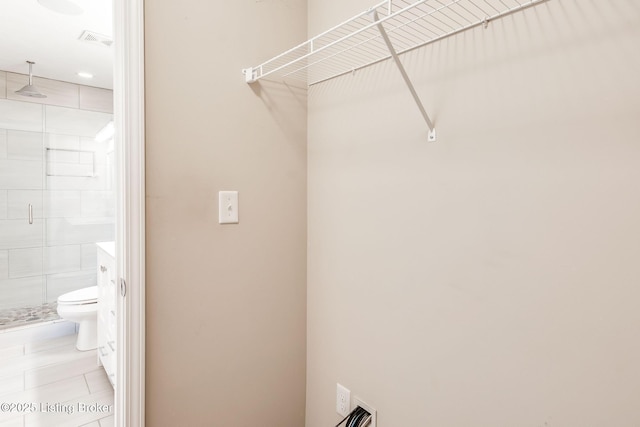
[66,386]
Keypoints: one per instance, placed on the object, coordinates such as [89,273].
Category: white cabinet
[107,309]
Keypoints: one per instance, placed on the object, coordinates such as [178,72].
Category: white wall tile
[23,292]
[4,264]
[25,145]
[11,351]
[65,162]
[62,142]
[70,169]
[98,182]
[58,284]
[11,384]
[20,116]
[58,93]
[18,233]
[87,157]
[61,203]
[98,204]
[56,155]
[110,171]
[89,256]
[3,204]
[96,99]
[70,121]
[3,84]
[23,174]
[31,335]
[64,231]
[18,203]
[60,340]
[99,148]
[25,262]
[3,143]
[62,259]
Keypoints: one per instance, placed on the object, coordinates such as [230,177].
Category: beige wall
[225,304]
[490,278]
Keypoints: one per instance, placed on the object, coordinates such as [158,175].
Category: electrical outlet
[343,400]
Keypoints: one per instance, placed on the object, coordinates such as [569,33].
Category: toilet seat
[81,296]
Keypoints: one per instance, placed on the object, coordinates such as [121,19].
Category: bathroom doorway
[62,191]
[56,161]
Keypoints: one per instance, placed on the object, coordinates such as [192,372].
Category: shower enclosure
[56,197]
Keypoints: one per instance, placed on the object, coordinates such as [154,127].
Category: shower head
[30,90]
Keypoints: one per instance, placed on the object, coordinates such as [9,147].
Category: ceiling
[30,31]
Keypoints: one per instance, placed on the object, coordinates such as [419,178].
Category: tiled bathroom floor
[65,386]
[14,317]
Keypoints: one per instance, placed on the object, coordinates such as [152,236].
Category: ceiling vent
[95,38]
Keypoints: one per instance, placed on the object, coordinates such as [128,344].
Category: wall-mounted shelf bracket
[432,130]
[249,75]
[431,136]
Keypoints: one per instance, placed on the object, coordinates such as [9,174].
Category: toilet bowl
[81,306]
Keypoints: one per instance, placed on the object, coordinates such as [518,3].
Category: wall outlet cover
[343,400]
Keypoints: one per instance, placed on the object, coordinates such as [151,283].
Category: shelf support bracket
[394,55]
[249,75]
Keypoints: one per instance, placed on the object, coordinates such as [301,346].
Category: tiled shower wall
[49,158]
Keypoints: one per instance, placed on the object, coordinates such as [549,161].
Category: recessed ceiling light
[85,75]
[65,7]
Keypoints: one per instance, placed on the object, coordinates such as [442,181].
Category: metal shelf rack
[386,30]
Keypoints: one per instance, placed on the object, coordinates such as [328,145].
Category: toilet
[81,306]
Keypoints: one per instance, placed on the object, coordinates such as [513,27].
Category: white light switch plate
[228,207]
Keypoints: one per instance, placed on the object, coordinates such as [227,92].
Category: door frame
[128,27]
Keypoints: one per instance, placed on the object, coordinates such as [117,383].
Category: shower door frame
[128,27]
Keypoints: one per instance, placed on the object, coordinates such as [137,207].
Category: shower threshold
[17,317]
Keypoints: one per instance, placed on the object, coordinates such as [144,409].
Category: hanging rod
[398,26]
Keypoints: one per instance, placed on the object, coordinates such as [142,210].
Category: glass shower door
[22,227]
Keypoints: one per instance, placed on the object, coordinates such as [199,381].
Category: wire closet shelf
[359,42]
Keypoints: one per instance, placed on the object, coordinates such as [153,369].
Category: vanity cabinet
[107,309]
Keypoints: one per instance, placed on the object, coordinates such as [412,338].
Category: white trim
[130,226]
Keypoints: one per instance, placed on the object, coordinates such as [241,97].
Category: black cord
[366,421]
[353,415]
[359,417]
[345,418]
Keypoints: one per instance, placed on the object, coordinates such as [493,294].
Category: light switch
[228,207]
